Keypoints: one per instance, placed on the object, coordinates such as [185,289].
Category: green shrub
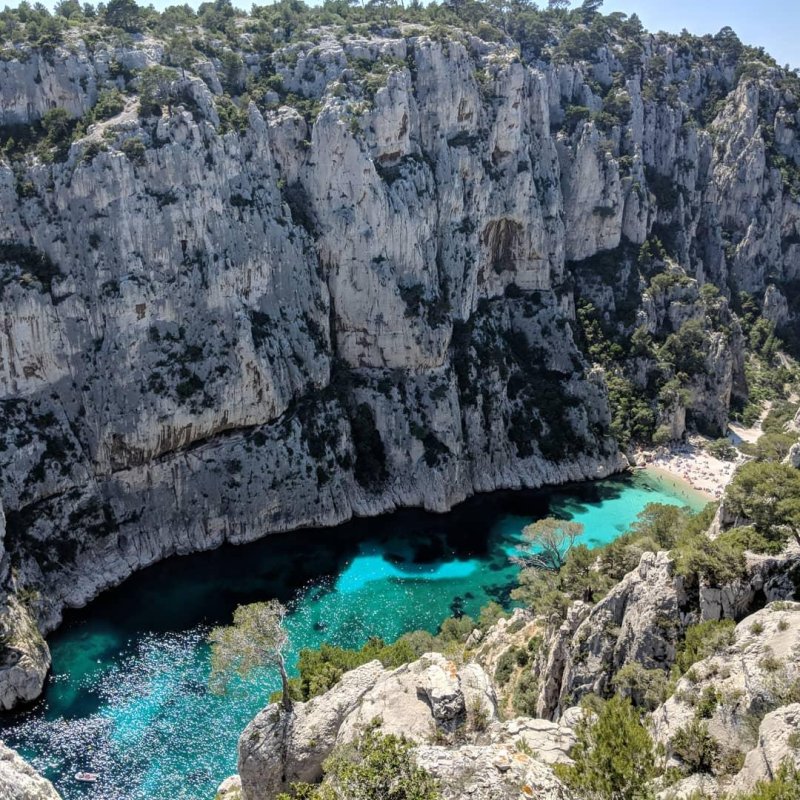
[109,104]
[321,669]
[456,629]
[134,150]
[695,747]
[716,562]
[477,716]
[646,688]
[505,666]
[525,694]
[722,449]
[613,757]
[748,538]
[704,640]
[490,614]
[685,351]
[707,704]
[374,767]
[768,495]
[785,786]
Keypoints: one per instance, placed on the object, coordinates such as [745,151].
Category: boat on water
[86,777]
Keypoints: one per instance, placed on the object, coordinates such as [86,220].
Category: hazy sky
[775,24]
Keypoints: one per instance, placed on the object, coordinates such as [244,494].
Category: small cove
[128,698]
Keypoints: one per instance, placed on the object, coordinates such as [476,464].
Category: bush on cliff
[614,758]
[785,786]
[320,669]
[374,767]
[703,640]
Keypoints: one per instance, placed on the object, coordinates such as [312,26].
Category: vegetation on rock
[255,639]
[373,767]
[614,757]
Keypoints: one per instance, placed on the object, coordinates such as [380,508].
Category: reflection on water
[127,697]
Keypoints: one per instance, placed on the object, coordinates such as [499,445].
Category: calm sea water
[128,699]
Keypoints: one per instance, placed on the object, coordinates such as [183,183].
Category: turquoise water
[127,696]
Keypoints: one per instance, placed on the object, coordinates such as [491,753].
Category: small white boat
[86,777]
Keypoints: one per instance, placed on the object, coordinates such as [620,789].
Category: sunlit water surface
[128,698]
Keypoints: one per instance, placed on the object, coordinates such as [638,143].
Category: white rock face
[25,658]
[637,622]
[550,741]
[426,700]
[414,701]
[230,789]
[641,621]
[687,788]
[19,781]
[752,675]
[490,772]
[34,83]
[277,748]
[226,333]
[776,746]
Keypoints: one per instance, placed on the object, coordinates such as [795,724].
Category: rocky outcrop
[429,700]
[279,747]
[639,621]
[553,659]
[489,772]
[642,620]
[550,741]
[230,789]
[19,781]
[756,674]
[24,657]
[766,579]
[777,745]
[744,696]
[514,631]
[697,785]
[419,701]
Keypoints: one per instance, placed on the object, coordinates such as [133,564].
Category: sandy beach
[677,484]
[689,462]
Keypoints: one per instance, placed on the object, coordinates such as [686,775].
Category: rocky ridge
[752,723]
[430,700]
[643,619]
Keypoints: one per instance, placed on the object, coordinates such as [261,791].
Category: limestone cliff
[643,620]
[18,781]
[430,700]
[359,291]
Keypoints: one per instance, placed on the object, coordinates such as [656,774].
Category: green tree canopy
[255,639]
[123,14]
[767,494]
[550,540]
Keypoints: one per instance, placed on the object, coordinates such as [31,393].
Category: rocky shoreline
[433,698]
